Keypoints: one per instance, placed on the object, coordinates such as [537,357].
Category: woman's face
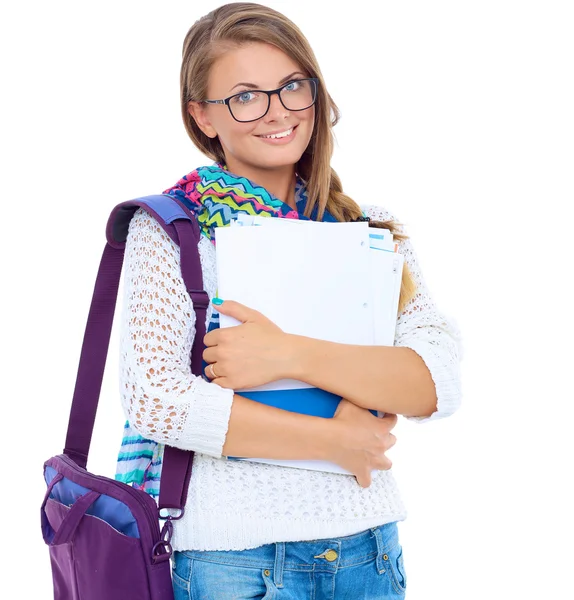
[265,67]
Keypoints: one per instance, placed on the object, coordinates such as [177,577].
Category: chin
[279,158]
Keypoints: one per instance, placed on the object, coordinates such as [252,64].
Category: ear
[199,113]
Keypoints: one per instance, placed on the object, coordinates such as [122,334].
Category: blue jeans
[364,566]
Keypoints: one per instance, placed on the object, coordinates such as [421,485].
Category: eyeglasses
[250,105]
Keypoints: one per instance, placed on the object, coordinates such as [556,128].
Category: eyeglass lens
[251,105]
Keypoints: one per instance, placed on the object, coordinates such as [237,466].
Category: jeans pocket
[395,566]
[211,580]
[180,587]
[180,571]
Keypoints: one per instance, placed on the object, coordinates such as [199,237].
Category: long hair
[227,28]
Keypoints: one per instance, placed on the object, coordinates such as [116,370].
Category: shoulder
[404,244]
[142,220]
[145,232]
[380,213]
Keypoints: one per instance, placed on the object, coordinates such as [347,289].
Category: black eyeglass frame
[269,93]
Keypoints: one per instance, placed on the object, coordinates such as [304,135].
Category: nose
[277,111]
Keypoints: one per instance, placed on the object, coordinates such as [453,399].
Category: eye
[292,86]
[244,97]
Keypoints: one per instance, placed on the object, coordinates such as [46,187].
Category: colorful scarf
[215,196]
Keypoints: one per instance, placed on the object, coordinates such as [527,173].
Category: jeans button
[331,555]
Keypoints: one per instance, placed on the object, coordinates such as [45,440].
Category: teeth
[279,135]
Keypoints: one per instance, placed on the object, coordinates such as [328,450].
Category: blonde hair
[235,24]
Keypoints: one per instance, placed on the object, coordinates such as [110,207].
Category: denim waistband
[326,555]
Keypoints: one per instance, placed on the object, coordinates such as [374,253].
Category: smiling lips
[279,135]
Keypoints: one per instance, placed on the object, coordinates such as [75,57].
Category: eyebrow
[255,86]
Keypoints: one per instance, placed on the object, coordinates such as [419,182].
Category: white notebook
[269,268]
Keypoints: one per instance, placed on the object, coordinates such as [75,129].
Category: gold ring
[212,371]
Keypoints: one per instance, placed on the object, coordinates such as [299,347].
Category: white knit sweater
[235,505]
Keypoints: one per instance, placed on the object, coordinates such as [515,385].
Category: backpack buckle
[162,549]
[200,298]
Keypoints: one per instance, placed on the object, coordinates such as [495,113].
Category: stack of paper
[338,282]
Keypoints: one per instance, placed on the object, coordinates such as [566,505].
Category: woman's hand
[247,355]
[362,441]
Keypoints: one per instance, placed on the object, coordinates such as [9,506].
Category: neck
[279,181]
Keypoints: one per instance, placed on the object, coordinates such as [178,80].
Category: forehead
[258,63]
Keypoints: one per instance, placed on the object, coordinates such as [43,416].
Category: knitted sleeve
[160,396]
[434,336]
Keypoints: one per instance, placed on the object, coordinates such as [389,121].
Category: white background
[456,115]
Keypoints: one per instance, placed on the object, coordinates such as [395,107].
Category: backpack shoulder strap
[165,210]
[182,227]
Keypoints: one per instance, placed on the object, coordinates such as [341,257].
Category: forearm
[260,431]
[386,378]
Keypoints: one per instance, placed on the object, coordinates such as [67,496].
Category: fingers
[387,442]
[390,418]
[210,371]
[237,310]
[364,480]
[210,338]
[382,463]
[210,355]
[390,440]
[385,464]
[389,421]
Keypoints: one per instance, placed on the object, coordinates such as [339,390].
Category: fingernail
[217,301]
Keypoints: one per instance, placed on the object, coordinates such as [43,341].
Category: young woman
[254,101]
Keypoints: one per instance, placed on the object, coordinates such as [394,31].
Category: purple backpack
[104,536]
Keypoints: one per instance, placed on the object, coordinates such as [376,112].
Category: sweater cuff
[208,420]
[444,373]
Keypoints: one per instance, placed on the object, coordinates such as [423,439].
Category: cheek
[307,116]
[233,135]
[308,122]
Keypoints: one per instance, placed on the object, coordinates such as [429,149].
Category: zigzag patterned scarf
[215,196]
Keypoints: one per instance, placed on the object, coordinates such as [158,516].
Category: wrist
[295,354]
[329,438]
